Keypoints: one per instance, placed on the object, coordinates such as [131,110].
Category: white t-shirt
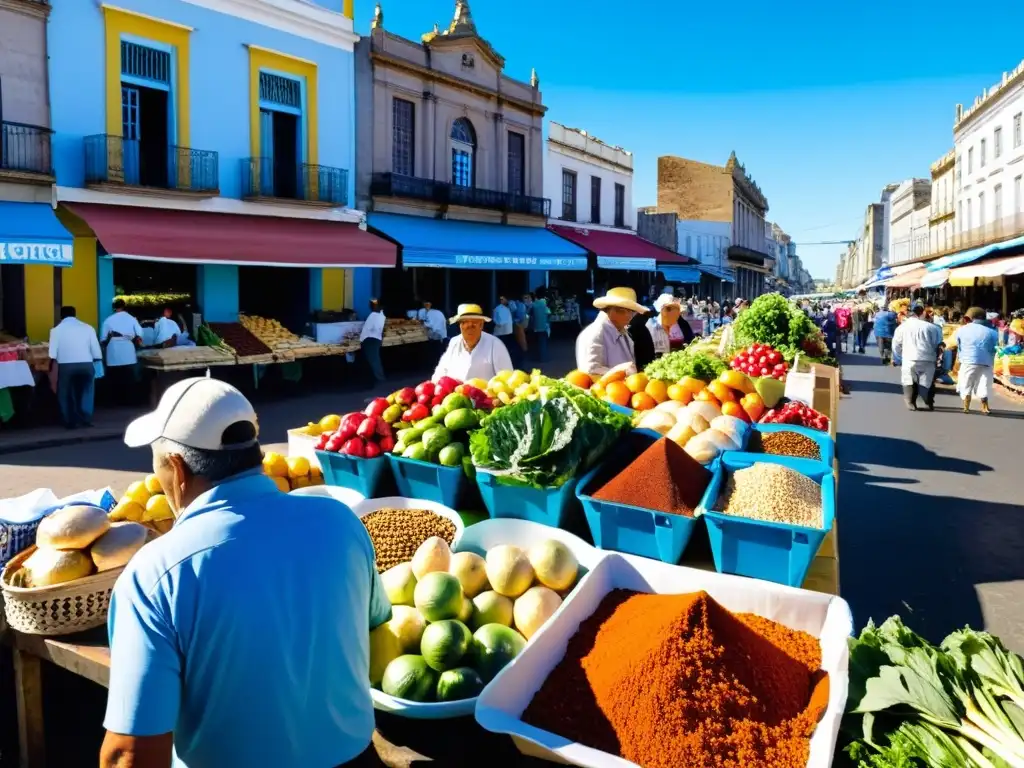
[121,349]
[437,325]
[165,328]
[486,359]
[373,328]
[502,320]
[73,341]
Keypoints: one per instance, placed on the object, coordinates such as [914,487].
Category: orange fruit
[611,376]
[679,393]
[658,390]
[707,396]
[636,383]
[722,392]
[641,401]
[735,409]
[692,385]
[597,390]
[618,393]
[579,379]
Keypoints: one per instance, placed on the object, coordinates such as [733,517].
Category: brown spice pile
[677,680]
[397,533]
[664,478]
[785,443]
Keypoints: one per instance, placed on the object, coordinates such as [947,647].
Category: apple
[426,388]
[405,396]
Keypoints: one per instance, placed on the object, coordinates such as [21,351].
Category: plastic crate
[626,528]
[363,475]
[805,466]
[762,550]
[547,506]
[424,480]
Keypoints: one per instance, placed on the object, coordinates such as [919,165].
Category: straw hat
[624,298]
[666,299]
[469,312]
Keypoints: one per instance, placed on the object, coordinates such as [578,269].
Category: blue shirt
[885,324]
[245,631]
[539,316]
[977,343]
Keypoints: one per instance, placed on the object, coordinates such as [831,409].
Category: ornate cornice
[40,9]
[988,97]
[943,164]
[295,17]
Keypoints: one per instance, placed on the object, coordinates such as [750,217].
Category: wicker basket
[61,609]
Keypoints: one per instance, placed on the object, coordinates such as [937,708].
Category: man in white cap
[606,343]
[241,636]
[473,354]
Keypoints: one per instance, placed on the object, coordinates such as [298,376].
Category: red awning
[191,237]
[621,245]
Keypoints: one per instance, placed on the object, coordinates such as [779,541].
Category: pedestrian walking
[75,349]
[540,328]
[885,329]
[916,342]
[976,343]
[371,338]
[504,326]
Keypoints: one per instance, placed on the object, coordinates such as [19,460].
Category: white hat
[664,300]
[624,298]
[193,412]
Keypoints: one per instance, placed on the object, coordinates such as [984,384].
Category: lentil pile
[772,493]
[785,444]
[664,478]
[678,680]
[397,533]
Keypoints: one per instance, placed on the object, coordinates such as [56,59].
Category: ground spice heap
[664,478]
[785,443]
[397,533]
[678,680]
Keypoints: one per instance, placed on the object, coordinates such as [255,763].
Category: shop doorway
[160,283]
[278,293]
[12,300]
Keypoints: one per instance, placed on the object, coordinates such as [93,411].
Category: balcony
[443,193]
[1004,228]
[113,162]
[25,153]
[268,180]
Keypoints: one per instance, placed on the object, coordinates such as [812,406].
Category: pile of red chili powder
[664,478]
[678,680]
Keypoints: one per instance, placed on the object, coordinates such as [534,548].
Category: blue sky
[823,103]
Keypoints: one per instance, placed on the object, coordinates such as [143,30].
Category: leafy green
[956,705]
[686,362]
[544,443]
[773,320]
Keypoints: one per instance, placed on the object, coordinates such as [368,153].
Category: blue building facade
[207,148]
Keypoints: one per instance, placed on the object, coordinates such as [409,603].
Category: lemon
[127,509]
[282,484]
[153,484]
[330,422]
[275,465]
[499,388]
[298,466]
[300,482]
[316,477]
[137,492]
[158,508]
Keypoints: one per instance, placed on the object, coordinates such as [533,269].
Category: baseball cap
[194,412]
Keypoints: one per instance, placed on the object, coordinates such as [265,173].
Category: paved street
[930,504]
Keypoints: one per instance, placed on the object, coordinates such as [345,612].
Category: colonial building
[450,166]
[908,240]
[942,208]
[702,193]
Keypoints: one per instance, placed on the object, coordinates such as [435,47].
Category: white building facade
[588,181]
[908,224]
[988,138]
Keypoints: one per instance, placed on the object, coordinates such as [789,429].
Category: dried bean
[785,444]
[397,533]
[772,493]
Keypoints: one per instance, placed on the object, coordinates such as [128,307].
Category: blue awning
[440,243]
[31,234]
[681,274]
[966,257]
[728,275]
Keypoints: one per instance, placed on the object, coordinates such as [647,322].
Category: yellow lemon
[153,484]
[298,466]
[478,383]
[137,492]
[275,465]
[313,429]
[503,375]
[282,484]
[330,422]
[499,388]
[127,509]
[316,477]
[300,482]
[158,508]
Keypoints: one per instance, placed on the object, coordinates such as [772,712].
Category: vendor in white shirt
[166,329]
[121,335]
[472,354]
[437,326]
[75,350]
[606,343]
[371,337]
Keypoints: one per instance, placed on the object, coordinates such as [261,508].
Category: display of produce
[398,534]
[428,652]
[358,435]
[401,331]
[273,334]
[663,478]
[509,387]
[784,444]
[760,360]
[678,680]
[239,339]
[75,542]
[136,301]
[798,414]
[695,361]
[144,502]
[291,472]
[544,443]
[916,705]
[774,321]
[772,493]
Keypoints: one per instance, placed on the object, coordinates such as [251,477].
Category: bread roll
[72,527]
[116,547]
[47,566]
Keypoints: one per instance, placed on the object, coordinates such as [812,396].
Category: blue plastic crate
[539,505]
[422,480]
[762,550]
[620,408]
[826,445]
[362,475]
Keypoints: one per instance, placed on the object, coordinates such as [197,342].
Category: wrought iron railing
[444,193]
[268,177]
[128,162]
[25,148]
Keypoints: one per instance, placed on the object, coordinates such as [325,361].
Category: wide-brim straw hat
[469,312]
[625,298]
[666,300]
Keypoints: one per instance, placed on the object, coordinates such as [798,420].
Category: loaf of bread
[116,547]
[73,527]
[46,567]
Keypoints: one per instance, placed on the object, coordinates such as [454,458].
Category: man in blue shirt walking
[240,637]
[976,343]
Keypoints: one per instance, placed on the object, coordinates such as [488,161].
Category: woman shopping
[668,329]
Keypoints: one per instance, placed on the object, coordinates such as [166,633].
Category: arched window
[463,153]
